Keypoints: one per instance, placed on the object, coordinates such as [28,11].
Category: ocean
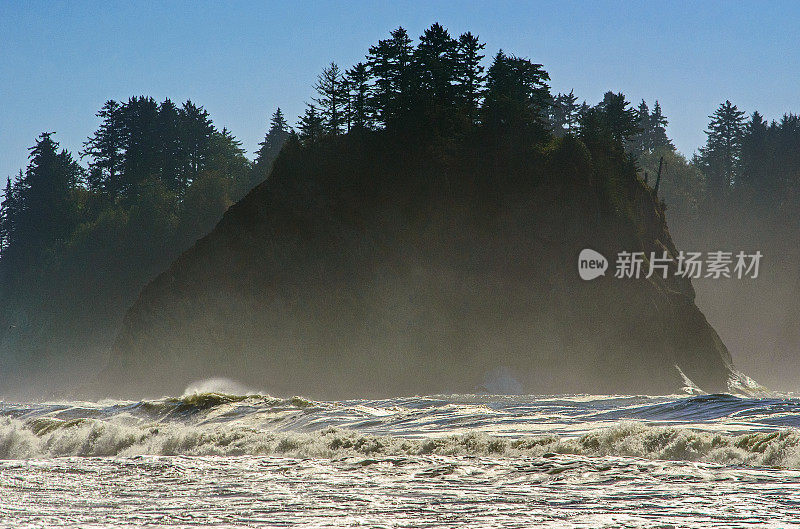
[213,459]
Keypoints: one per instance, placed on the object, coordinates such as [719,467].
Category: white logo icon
[591,264]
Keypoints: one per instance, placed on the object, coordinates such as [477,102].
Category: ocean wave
[723,429]
[52,437]
[197,402]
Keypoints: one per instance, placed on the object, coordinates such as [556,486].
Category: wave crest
[39,438]
[219,385]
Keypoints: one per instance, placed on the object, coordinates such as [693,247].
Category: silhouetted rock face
[369,267]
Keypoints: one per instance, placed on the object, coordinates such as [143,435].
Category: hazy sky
[59,61]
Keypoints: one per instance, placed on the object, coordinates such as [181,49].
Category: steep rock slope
[381,265]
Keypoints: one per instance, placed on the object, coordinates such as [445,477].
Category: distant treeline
[751,162]
[159,175]
[78,243]
[143,154]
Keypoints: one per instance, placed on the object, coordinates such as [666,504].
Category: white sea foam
[250,460]
[718,429]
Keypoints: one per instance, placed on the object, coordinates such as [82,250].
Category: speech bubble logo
[591,264]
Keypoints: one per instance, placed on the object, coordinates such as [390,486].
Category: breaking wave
[721,429]
[91,438]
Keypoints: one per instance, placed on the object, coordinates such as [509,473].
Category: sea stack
[385,263]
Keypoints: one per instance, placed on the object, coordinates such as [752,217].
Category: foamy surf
[52,437]
[720,429]
[211,458]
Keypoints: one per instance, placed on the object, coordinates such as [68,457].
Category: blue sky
[59,61]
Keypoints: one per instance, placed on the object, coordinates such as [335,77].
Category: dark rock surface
[374,266]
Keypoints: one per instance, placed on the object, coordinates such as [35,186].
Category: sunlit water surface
[218,460]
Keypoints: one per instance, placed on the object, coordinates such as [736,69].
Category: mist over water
[218,385]
[758,319]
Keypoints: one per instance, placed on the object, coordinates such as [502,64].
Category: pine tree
[658,124]
[196,140]
[555,116]
[720,157]
[141,144]
[390,64]
[358,93]
[227,161]
[785,142]
[570,110]
[469,76]
[172,153]
[564,113]
[642,141]
[8,213]
[311,125]
[104,148]
[332,99]
[619,119]
[517,94]
[276,137]
[755,177]
[652,130]
[44,206]
[225,151]
[611,119]
[435,63]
